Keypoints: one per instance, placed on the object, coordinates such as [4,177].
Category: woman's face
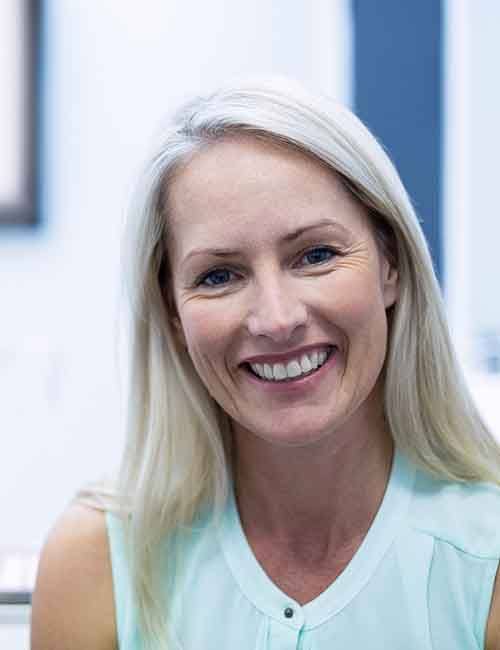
[275,267]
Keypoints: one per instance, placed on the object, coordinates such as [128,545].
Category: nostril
[275,314]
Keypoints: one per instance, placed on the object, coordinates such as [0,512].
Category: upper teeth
[294,368]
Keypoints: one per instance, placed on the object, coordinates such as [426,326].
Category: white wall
[112,70]
[471,212]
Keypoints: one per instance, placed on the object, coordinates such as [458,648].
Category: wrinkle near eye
[356,254]
[184,300]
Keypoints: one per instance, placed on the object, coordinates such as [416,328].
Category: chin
[291,435]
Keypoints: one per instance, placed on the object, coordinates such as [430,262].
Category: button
[288,612]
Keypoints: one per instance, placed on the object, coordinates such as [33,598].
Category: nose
[277,311]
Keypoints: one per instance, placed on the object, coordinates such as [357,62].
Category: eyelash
[202,279]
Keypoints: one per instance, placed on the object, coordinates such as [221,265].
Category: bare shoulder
[73,602]
[492,640]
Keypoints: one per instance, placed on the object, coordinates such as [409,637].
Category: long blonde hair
[177,456]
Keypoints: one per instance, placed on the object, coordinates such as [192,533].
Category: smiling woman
[300,439]
[269,303]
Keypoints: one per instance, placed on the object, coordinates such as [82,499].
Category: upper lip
[284,357]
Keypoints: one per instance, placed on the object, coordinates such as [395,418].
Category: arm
[73,601]
[493,626]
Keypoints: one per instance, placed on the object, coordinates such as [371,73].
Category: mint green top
[421,580]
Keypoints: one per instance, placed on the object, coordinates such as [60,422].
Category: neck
[324,495]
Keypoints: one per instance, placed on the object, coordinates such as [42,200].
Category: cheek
[207,334]
[362,318]
[356,310]
[204,333]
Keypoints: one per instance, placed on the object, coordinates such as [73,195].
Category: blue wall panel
[398,94]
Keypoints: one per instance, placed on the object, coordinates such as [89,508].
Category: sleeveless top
[422,579]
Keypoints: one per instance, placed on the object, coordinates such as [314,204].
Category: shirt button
[288,612]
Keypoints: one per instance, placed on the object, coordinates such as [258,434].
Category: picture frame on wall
[19,111]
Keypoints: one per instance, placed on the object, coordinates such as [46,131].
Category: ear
[390,283]
[173,317]
[178,331]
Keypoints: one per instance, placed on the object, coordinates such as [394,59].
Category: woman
[304,467]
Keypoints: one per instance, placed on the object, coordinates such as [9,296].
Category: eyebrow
[286,239]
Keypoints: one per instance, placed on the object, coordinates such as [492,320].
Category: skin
[316,459]
[492,641]
[73,603]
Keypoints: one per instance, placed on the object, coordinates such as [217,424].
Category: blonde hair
[177,458]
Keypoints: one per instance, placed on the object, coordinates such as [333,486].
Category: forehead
[244,190]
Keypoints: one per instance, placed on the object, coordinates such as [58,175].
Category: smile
[306,364]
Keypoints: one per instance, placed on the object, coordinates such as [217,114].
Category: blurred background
[86,85]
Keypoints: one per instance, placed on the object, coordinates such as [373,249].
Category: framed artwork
[19,73]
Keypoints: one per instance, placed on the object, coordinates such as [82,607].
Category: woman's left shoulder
[464,514]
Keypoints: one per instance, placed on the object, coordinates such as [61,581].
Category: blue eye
[318,255]
[215,278]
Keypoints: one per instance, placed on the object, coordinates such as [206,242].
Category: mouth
[295,370]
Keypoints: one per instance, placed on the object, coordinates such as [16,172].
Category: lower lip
[299,384]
